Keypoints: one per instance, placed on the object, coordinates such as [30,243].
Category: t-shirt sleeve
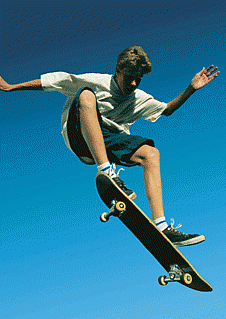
[147,107]
[153,109]
[62,82]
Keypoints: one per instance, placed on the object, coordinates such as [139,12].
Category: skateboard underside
[171,259]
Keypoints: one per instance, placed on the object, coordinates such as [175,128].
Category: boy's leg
[148,158]
[90,127]
[92,134]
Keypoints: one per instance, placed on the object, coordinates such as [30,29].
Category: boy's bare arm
[201,79]
[31,85]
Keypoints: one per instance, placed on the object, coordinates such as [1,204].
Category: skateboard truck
[117,209]
[176,274]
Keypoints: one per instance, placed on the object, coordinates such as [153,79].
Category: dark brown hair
[135,60]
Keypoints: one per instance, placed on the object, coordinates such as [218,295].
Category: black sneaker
[120,183]
[180,239]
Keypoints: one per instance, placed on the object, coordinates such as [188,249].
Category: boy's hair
[135,60]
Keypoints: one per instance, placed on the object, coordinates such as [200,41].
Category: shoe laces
[113,169]
[174,228]
[117,179]
[121,169]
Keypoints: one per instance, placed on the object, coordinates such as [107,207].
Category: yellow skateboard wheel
[120,207]
[187,279]
[161,281]
[104,217]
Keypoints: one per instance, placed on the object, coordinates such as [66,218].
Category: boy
[96,119]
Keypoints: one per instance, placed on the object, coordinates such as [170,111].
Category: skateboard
[171,259]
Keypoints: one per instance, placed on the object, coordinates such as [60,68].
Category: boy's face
[127,82]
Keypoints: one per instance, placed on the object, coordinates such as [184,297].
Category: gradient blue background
[57,259]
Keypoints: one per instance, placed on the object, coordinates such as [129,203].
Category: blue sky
[57,259]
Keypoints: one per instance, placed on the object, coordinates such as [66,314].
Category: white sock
[107,168]
[161,223]
[104,167]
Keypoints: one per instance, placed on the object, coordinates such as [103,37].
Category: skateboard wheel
[187,278]
[103,217]
[162,281]
[120,207]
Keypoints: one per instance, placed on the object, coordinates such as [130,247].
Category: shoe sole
[189,242]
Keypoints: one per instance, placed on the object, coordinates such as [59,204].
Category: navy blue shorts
[119,146]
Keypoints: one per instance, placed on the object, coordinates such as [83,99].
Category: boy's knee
[147,155]
[152,154]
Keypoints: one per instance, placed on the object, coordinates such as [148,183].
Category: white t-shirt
[117,110]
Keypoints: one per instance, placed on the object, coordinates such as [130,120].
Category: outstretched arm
[31,85]
[200,80]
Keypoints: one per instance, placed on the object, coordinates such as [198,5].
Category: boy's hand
[205,76]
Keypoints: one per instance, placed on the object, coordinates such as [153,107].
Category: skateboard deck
[171,259]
